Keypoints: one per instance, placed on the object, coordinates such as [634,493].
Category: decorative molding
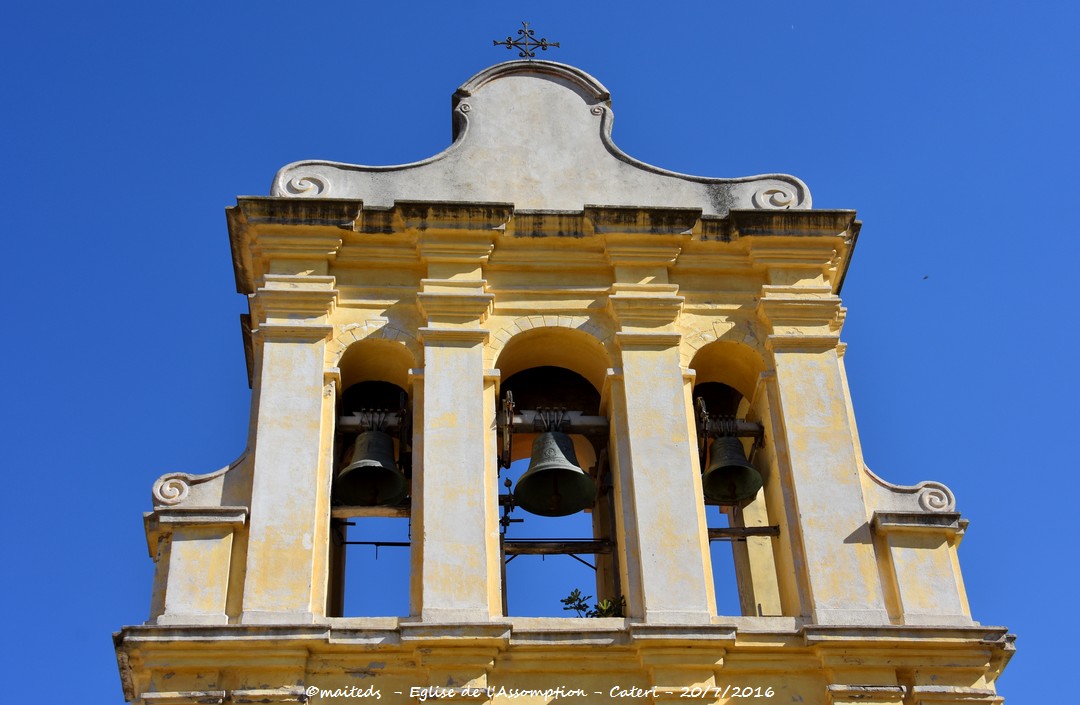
[927,495]
[290,294]
[294,332]
[454,306]
[940,694]
[173,488]
[201,516]
[586,167]
[948,523]
[812,309]
[643,309]
[438,336]
[844,694]
[310,185]
[288,694]
[160,523]
[775,196]
[184,697]
[795,343]
[651,340]
[634,220]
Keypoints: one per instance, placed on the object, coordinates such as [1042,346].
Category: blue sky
[129,127]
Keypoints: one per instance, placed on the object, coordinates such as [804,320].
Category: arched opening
[734,477]
[370,548]
[556,498]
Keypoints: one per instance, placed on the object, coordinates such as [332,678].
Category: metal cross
[526,42]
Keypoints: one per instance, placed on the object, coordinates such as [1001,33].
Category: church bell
[372,477]
[554,485]
[730,478]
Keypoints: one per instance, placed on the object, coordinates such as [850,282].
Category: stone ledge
[945,523]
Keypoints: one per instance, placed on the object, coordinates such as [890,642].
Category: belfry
[660,348]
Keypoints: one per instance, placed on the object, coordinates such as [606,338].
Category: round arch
[735,364]
[573,343]
[390,351]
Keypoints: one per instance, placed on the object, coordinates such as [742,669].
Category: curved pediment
[536,134]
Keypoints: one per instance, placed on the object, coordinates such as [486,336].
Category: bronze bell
[554,485]
[730,478]
[372,477]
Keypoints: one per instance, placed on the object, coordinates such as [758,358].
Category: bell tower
[533,325]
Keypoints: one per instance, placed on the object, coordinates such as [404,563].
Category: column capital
[801,318]
[648,306]
[294,300]
[443,336]
[455,308]
[647,340]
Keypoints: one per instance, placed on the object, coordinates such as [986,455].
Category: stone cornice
[895,636]
[625,220]
[440,216]
[163,517]
[321,229]
[831,644]
[947,524]
[164,520]
[792,223]
[840,694]
[292,228]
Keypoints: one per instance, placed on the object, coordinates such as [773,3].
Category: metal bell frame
[595,428]
[366,421]
[712,428]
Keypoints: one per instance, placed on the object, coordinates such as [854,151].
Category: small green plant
[579,603]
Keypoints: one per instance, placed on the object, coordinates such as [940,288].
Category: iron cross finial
[526,43]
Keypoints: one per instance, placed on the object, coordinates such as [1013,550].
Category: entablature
[348,234]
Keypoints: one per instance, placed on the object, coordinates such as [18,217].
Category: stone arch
[571,335]
[724,330]
[372,330]
[735,364]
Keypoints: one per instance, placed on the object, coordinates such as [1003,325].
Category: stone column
[655,472]
[660,509]
[655,469]
[823,471]
[286,577]
[454,502]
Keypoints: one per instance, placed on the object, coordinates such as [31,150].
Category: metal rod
[581,560]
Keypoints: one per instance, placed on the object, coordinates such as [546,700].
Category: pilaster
[290,498]
[459,577]
[192,547]
[655,472]
[822,470]
[920,552]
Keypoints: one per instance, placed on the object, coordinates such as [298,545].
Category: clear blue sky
[129,127]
